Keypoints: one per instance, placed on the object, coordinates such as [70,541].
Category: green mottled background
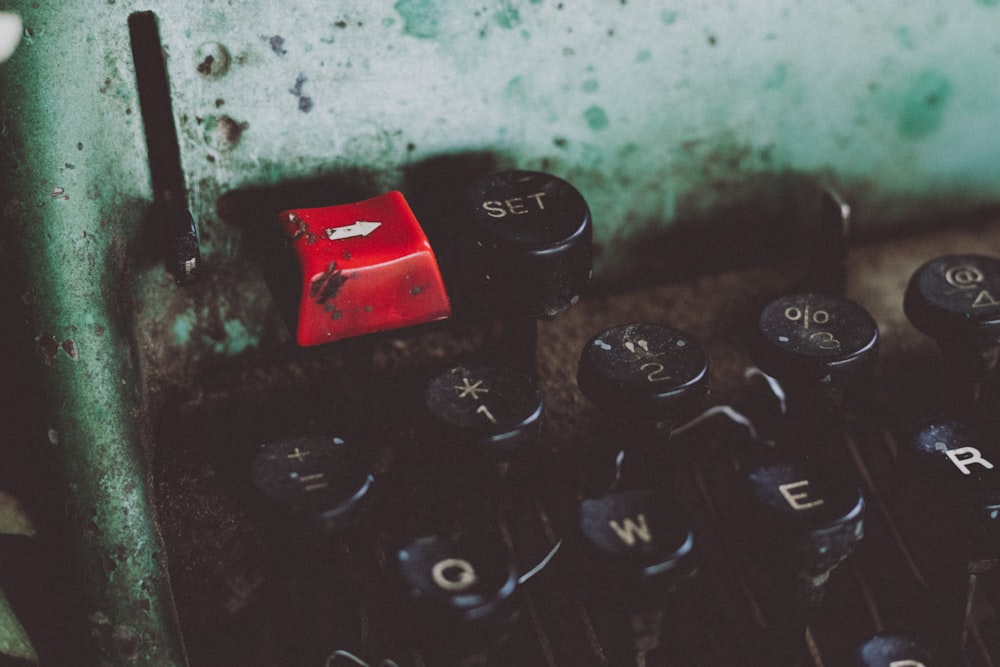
[661,113]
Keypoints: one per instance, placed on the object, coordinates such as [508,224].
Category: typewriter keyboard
[729,470]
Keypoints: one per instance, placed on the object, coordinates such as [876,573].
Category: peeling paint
[421,18]
[325,286]
[924,105]
[508,17]
[596,117]
[276,42]
[183,326]
[776,77]
[49,347]
[70,348]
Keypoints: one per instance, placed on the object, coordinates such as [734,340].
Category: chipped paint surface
[899,110]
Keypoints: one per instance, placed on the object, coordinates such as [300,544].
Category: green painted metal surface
[662,114]
[75,185]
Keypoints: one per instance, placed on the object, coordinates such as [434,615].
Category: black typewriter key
[950,484]
[796,522]
[320,481]
[800,520]
[493,411]
[955,299]
[817,347]
[958,470]
[815,339]
[632,546]
[632,554]
[527,243]
[894,651]
[312,490]
[644,378]
[454,594]
[523,254]
[645,371]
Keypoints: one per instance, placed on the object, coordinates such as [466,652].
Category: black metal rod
[179,236]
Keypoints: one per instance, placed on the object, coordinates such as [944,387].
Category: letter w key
[628,530]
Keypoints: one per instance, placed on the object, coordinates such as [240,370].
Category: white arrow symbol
[359,228]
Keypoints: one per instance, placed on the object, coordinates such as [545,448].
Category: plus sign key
[319,480]
[366,267]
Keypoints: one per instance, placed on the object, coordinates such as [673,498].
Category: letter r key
[956,463]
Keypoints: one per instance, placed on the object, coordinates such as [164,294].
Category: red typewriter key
[366,267]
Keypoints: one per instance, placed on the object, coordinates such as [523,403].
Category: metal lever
[176,227]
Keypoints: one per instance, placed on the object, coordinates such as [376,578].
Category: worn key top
[526,243]
[959,469]
[631,555]
[796,522]
[894,650]
[645,379]
[799,520]
[631,546]
[821,348]
[815,340]
[320,480]
[644,370]
[366,267]
[523,251]
[955,299]
[493,410]
[453,594]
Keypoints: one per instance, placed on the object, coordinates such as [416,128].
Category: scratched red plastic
[366,267]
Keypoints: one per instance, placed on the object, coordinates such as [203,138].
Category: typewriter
[683,402]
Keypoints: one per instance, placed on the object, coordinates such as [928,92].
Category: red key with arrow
[366,267]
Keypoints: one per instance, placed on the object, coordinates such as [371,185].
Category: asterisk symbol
[469,389]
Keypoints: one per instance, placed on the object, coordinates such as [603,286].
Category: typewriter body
[145,364]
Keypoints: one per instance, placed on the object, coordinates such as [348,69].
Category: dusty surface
[227,564]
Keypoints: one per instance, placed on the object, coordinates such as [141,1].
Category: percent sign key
[814,338]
